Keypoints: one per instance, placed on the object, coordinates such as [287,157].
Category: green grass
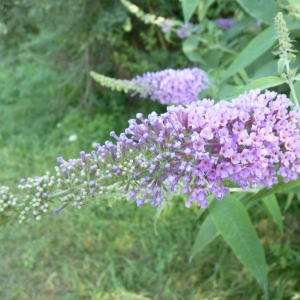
[114,253]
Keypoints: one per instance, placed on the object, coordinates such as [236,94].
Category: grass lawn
[116,253]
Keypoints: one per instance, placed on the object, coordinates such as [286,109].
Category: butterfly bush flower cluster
[169,86]
[172,86]
[192,150]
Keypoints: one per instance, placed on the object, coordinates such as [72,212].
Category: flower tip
[60,160]
[188,204]
[139,116]
[140,202]
[23,181]
[56,212]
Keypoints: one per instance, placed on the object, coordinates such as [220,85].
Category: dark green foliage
[48,50]
[46,70]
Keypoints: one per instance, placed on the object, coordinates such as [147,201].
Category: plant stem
[68,191]
[289,81]
[235,190]
[294,94]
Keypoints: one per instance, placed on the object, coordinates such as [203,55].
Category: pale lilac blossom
[176,153]
[172,86]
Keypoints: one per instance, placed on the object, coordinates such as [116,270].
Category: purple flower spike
[193,150]
[196,149]
[172,86]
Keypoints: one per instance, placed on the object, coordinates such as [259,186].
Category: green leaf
[273,208]
[289,201]
[291,23]
[244,75]
[279,187]
[203,7]
[237,80]
[207,233]
[262,83]
[259,45]
[263,10]
[297,92]
[233,222]
[266,70]
[211,59]
[281,64]
[297,77]
[188,8]
[295,3]
[190,49]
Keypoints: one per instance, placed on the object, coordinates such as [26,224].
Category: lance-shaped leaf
[297,77]
[296,97]
[295,3]
[188,8]
[233,222]
[279,187]
[281,64]
[203,7]
[273,208]
[262,84]
[259,45]
[207,233]
[289,200]
[191,50]
[263,10]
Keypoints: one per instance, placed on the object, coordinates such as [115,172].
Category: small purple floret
[140,202]
[23,181]
[185,30]
[92,183]
[225,23]
[57,211]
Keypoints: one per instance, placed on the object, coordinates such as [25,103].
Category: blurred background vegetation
[50,107]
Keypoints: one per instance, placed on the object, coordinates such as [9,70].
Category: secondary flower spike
[168,86]
[172,86]
[192,150]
